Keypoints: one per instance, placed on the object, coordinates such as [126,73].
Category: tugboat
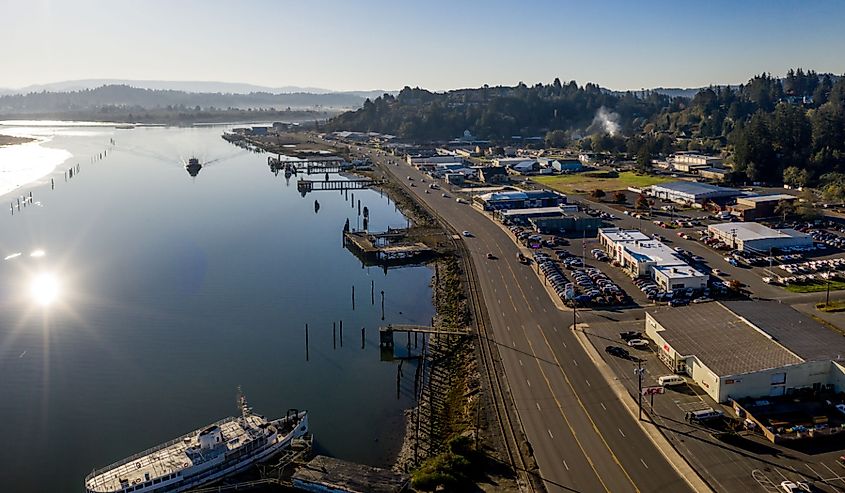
[193,166]
[203,456]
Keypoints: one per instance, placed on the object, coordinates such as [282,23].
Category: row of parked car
[599,255]
[677,297]
[597,288]
[553,274]
[827,238]
[813,266]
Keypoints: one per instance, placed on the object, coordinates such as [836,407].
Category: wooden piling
[306,342]
[334,336]
[382,304]
[341,333]
[353,296]
[372,291]
[362,337]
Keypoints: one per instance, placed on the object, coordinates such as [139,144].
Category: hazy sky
[352,44]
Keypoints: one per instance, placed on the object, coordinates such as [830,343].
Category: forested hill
[142,99]
[500,112]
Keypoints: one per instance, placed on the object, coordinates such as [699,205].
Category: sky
[438,45]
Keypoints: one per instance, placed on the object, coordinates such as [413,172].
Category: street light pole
[827,295]
[638,371]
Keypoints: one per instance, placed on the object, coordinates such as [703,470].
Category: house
[493,174]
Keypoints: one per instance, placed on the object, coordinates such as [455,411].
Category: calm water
[171,291]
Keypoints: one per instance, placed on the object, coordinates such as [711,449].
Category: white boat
[203,456]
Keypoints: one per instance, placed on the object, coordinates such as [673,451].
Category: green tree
[642,202]
[796,177]
[557,138]
[597,194]
[620,197]
[785,208]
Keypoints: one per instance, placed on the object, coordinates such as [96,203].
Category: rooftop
[724,342]
[768,198]
[617,235]
[519,195]
[803,336]
[695,188]
[753,231]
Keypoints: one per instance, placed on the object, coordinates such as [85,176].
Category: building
[756,207]
[688,162]
[509,162]
[526,167]
[493,174]
[757,238]
[691,192]
[427,163]
[457,179]
[642,256]
[565,165]
[566,222]
[738,349]
[716,174]
[519,200]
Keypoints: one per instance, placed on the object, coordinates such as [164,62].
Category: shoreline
[11,140]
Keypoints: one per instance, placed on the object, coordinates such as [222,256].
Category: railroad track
[498,389]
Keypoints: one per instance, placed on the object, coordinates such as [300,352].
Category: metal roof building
[690,192]
[755,237]
[747,348]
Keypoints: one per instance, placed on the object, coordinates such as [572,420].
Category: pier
[385,334]
[388,248]
[313,165]
[305,186]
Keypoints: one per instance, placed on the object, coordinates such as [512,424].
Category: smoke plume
[608,121]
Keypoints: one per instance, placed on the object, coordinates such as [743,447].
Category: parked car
[490,256]
[794,487]
[467,234]
[638,343]
[617,351]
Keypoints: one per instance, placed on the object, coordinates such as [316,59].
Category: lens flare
[44,289]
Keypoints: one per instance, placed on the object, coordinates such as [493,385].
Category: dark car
[678,302]
[617,351]
[630,334]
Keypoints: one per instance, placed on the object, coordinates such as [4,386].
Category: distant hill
[132,98]
[186,86]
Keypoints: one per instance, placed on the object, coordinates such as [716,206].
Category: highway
[582,437]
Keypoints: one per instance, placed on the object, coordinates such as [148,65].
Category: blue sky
[434,44]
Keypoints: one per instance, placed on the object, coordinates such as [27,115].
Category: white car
[840,408]
[638,343]
[467,234]
[794,487]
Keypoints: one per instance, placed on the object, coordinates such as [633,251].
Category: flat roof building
[641,256]
[519,200]
[752,207]
[741,349]
[691,192]
[757,238]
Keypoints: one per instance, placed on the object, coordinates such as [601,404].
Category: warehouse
[737,349]
[690,192]
[519,200]
[757,238]
[641,256]
[755,207]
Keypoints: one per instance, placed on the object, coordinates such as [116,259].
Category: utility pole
[638,371]
[827,296]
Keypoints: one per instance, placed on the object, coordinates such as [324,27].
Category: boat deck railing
[162,446]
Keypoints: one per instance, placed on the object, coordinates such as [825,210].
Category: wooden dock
[389,248]
[305,186]
[309,166]
[385,334]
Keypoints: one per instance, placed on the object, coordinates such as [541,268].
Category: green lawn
[833,307]
[581,183]
[815,287]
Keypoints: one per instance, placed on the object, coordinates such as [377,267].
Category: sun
[44,288]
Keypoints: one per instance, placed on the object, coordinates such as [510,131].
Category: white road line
[602,406]
[538,405]
[550,434]
[646,465]
[566,465]
[520,363]
[835,475]
[513,343]
[621,432]
[588,383]
[508,327]
[528,381]
[564,344]
[576,363]
[781,475]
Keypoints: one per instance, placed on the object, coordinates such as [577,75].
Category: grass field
[581,183]
[815,287]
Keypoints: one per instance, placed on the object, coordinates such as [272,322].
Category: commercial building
[737,349]
[756,207]
[563,218]
[519,200]
[690,192]
[690,161]
[642,256]
[428,163]
[716,174]
[757,238]
[493,174]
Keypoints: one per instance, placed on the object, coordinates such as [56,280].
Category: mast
[246,411]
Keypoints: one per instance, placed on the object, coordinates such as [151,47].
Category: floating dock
[385,248]
[325,474]
[315,165]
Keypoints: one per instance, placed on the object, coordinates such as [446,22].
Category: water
[170,291]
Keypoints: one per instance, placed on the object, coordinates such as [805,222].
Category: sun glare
[44,288]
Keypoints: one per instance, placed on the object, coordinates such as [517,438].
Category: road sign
[653,390]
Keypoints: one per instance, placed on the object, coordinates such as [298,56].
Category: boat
[193,166]
[203,456]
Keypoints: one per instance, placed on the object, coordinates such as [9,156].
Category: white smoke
[608,121]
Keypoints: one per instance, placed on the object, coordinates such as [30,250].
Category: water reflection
[44,288]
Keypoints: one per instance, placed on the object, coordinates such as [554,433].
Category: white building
[689,161]
[737,349]
[426,163]
[757,238]
[643,256]
[690,192]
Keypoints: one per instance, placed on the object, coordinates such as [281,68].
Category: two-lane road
[582,437]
